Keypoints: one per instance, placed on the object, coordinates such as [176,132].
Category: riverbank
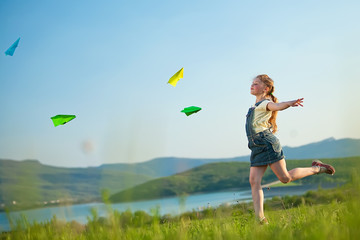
[167,207]
[321,214]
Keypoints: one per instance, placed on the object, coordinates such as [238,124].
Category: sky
[108,63]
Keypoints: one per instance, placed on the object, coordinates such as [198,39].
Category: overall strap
[258,103]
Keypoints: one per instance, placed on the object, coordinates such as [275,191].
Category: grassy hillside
[29,182]
[222,176]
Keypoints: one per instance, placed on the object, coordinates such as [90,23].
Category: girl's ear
[266,89]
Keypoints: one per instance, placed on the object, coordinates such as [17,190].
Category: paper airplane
[62,119]
[176,77]
[11,49]
[190,110]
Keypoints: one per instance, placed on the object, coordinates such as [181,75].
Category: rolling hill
[31,181]
[227,175]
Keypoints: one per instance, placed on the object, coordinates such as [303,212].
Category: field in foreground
[324,214]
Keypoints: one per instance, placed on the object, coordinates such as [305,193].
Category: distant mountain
[166,166]
[225,176]
[327,148]
[161,167]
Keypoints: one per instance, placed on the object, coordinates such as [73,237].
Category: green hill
[32,183]
[227,175]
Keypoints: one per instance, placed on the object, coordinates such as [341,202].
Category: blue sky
[109,62]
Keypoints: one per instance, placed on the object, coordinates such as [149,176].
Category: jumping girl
[265,146]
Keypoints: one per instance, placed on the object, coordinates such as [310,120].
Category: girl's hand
[296,103]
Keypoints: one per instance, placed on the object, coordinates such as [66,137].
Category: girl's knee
[254,182]
[285,179]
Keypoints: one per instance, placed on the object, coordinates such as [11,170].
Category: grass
[322,214]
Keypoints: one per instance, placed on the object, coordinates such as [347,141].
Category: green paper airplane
[62,119]
[190,110]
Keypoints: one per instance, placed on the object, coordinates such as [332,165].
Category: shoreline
[98,201]
[197,211]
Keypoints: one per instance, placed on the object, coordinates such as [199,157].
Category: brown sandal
[264,221]
[323,167]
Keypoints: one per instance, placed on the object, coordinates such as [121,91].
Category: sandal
[323,167]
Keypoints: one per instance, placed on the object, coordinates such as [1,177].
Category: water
[171,205]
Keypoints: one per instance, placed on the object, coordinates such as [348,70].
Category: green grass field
[322,214]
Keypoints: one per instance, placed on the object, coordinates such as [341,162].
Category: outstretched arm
[284,105]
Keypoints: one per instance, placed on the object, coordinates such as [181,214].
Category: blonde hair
[270,83]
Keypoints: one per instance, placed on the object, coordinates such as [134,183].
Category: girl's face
[258,87]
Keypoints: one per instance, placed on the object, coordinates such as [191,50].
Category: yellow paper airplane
[177,76]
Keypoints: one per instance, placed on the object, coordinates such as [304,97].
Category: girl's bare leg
[256,174]
[285,176]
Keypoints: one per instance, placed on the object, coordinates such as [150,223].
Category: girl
[265,146]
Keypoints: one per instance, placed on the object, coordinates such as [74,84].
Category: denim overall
[265,146]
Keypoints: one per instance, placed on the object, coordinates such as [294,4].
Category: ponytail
[272,119]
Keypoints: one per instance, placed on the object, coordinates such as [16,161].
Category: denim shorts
[265,148]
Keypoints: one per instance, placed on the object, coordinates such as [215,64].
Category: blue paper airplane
[11,49]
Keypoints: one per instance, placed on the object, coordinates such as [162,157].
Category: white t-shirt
[261,117]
